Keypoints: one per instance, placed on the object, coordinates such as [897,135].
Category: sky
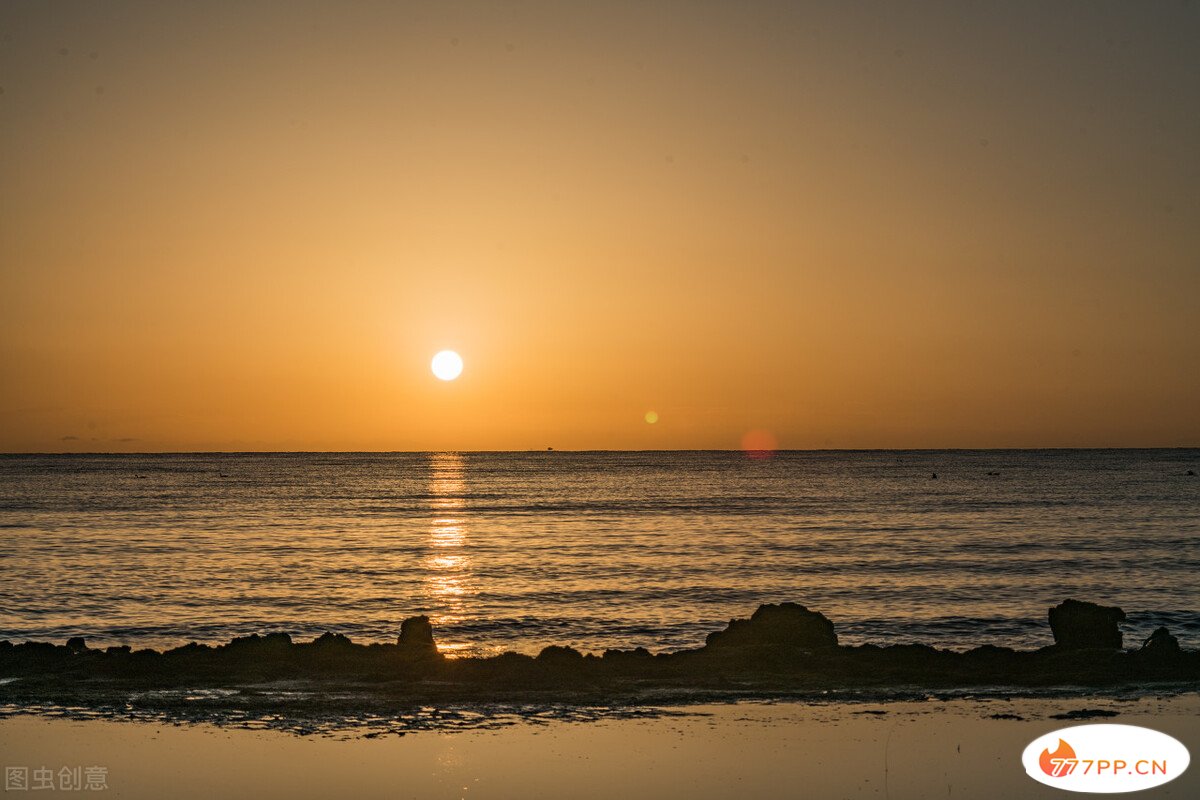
[249,226]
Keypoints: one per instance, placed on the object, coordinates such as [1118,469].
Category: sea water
[594,549]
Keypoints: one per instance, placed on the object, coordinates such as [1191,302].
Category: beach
[955,748]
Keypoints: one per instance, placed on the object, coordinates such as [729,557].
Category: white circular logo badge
[1105,759]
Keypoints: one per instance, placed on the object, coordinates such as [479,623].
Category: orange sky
[250,226]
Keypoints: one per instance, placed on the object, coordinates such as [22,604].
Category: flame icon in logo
[1056,764]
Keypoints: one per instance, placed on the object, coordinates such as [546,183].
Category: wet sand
[894,750]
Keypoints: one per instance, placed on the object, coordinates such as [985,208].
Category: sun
[447,365]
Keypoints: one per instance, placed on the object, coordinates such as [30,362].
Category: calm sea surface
[598,550]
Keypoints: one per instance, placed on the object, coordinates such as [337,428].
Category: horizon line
[596,450]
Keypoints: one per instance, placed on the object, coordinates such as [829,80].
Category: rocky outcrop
[416,637]
[784,625]
[781,650]
[1079,626]
[559,656]
[1160,644]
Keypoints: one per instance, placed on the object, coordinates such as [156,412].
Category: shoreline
[316,710]
[783,651]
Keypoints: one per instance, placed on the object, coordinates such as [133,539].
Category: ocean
[515,551]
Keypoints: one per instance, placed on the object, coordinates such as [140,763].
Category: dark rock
[635,654]
[118,650]
[783,625]
[1080,625]
[251,652]
[512,660]
[416,636]
[781,649]
[986,651]
[1086,713]
[332,643]
[43,649]
[912,653]
[76,644]
[261,644]
[556,655]
[1161,643]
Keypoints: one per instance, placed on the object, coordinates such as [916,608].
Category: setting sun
[447,365]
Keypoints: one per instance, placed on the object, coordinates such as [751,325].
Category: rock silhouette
[783,650]
[416,637]
[556,655]
[1161,644]
[1080,625]
[783,625]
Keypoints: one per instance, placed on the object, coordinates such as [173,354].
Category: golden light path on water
[447,567]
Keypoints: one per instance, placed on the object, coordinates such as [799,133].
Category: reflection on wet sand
[447,565]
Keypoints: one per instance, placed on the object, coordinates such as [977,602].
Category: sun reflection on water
[447,566]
